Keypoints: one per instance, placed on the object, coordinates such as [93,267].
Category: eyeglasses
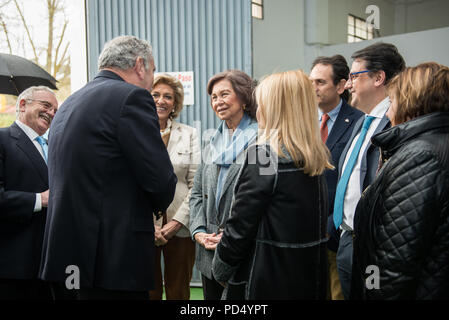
[47,105]
[354,75]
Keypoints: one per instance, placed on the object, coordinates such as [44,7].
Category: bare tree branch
[5,30]
[51,19]
[54,49]
[36,58]
[4,3]
[63,61]
[55,66]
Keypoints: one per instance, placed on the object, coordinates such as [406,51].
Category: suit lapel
[382,125]
[364,164]
[211,171]
[175,136]
[355,131]
[28,148]
[233,170]
[343,122]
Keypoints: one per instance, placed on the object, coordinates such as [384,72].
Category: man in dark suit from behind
[24,195]
[109,173]
[337,119]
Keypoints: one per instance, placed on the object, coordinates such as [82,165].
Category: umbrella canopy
[18,74]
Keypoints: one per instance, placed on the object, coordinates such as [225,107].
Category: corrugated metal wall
[204,36]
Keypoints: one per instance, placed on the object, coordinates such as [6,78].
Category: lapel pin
[347,120]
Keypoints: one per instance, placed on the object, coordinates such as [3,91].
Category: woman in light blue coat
[232,100]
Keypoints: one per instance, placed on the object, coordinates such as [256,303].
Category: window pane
[358,32]
[361,24]
[350,39]
[358,40]
[257,12]
[351,30]
[350,20]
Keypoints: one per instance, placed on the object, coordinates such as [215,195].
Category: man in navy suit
[337,119]
[24,195]
[109,172]
[372,69]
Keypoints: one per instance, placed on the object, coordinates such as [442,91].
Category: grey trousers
[344,262]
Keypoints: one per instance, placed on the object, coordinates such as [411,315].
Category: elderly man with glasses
[24,195]
[373,67]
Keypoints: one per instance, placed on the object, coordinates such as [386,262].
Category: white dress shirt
[32,135]
[354,190]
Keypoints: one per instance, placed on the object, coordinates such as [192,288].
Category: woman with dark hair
[274,244]
[232,100]
[401,245]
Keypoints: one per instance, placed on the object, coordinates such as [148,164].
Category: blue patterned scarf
[225,149]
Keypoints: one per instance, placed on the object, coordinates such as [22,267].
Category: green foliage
[6,119]
[195,294]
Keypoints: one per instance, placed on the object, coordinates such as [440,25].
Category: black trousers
[17,289]
[103,294]
[344,262]
[212,290]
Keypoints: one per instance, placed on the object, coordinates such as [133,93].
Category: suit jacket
[184,150]
[336,142]
[109,172]
[203,212]
[23,173]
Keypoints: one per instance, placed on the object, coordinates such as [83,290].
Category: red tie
[323,128]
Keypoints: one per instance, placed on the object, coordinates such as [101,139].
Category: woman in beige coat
[172,236]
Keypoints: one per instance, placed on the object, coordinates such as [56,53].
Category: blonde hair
[178,91]
[420,90]
[289,108]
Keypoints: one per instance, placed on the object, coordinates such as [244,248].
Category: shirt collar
[28,131]
[333,114]
[382,108]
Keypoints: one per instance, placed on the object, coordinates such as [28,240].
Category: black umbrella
[18,74]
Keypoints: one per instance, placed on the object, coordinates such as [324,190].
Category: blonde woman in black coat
[274,244]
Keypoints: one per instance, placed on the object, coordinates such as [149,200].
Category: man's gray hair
[122,53]
[29,94]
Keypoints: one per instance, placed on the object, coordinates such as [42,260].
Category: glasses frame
[351,75]
[47,105]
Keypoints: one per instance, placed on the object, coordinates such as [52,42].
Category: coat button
[205,196]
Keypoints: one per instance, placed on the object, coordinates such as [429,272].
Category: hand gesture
[159,239]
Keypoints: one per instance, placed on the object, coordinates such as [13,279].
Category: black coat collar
[394,138]
[109,74]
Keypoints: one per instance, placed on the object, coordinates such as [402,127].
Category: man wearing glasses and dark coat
[24,195]
[372,69]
